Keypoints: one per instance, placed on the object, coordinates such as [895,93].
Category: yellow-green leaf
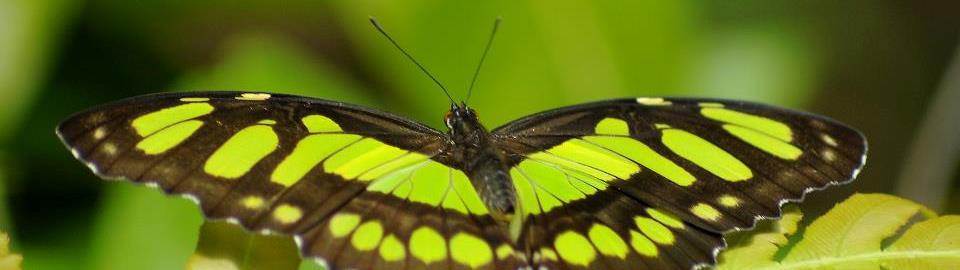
[859,233]
[224,246]
[745,247]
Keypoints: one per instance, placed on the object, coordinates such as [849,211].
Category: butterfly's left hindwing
[358,188]
[654,182]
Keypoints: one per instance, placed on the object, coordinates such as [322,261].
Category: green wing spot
[643,154]
[307,154]
[343,223]
[370,160]
[428,245]
[468,194]
[761,124]
[319,123]
[391,182]
[152,122]
[367,236]
[656,231]
[525,194]
[706,155]
[574,248]
[765,142]
[267,122]
[642,244]
[252,202]
[236,156]
[541,187]
[552,180]
[470,250]
[392,249]
[586,184]
[613,126]
[547,201]
[287,214]
[705,211]
[404,187]
[361,156]
[548,254]
[407,160]
[665,218]
[729,201]
[504,251]
[543,197]
[566,163]
[607,241]
[168,137]
[430,183]
[588,158]
[452,201]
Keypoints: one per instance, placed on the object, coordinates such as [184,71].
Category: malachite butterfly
[639,183]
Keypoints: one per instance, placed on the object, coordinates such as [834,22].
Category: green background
[878,65]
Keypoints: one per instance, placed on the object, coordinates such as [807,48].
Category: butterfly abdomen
[487,171]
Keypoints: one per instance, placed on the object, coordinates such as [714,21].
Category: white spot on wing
[253,96]
[653,101]
[829,155]
[194,99]
[99,133]
[320,261]
[298,241]
[710,105]
[828,140]
[187,196]
[93,167]
[110,149]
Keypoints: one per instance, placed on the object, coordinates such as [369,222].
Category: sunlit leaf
[141,228]
[859,233]
[224,246]
[744,247]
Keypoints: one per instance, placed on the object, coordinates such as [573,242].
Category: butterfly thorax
[484,163]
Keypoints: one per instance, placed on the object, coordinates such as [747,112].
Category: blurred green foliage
[850,60]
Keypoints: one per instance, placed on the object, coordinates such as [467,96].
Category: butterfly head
[462,122]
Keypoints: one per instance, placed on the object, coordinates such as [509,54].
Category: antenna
[476,73]
[380,28]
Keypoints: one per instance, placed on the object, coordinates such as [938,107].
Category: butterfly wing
[358,188]
[654,182]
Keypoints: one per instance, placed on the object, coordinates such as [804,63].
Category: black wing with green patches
[667,176]
[261,160]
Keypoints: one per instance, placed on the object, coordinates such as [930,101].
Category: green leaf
[128,226]
[224,246]
[859,233]
[744,247]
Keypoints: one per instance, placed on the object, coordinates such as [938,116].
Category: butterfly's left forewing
[357,188]
[653,183]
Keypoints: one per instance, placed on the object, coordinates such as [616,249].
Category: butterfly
[636,183]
